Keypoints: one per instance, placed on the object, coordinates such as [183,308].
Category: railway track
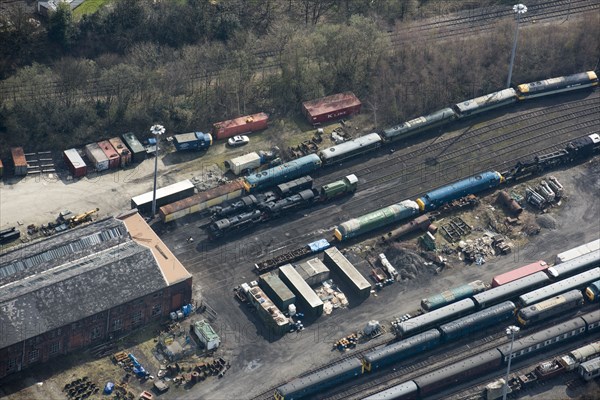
[476,21]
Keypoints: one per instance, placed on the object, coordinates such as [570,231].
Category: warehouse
[313,271]
[274,287]
[308,301]
[85,286]
[347,273]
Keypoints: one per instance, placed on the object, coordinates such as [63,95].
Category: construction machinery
[81,218]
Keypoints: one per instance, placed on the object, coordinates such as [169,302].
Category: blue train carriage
[479,320]
[557,85]
[471,185]
[592,292]
[405,391]
[401,350]
[320,380]
[420,124]
[282,173]
[545,309]
[350,148]
[485,103]
[434,318]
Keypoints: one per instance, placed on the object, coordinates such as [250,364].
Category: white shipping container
[96,156]
[240,164]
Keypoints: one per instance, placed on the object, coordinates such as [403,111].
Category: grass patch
[88,7]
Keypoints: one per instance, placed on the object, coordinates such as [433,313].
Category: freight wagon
[519,273]
[138,152]
[114,160]
[548,308]
[452,295]
[331,108]
[96,156]
[122,150]
[74,163]
[164,195]
[241,125]
[201,201]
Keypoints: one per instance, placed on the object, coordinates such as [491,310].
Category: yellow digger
[81,218]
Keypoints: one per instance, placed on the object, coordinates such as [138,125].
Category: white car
[238,141]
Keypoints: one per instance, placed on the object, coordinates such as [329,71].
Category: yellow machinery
[81,218]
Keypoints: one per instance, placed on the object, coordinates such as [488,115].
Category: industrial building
[348,274]
[307,299]
[84,286]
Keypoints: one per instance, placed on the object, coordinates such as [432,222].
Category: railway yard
[419,312]
[476,242]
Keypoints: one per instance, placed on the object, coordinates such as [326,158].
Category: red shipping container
[331,107]
[519,273]
[113,158]
[75,163]
[239,126]
[122,150]
[19,161]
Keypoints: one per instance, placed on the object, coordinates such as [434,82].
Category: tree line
[271,66]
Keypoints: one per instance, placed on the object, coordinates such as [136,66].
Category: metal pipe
[510,330]
[518,9]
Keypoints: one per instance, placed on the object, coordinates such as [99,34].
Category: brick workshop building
[85,286]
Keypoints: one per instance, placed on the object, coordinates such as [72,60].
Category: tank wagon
[471,185]
[350,148]
[557,85]
[593,291]
[548,308]
[376,219]
[579,281]
[452,295]
[420,124]
[282,173]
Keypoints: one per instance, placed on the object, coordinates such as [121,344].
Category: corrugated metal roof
[74,157]
[331,103]
[163,192]
[301,286]
[202,197]
[347,268]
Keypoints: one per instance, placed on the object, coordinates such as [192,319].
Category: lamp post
[511,330]
[156,130]
[518,9]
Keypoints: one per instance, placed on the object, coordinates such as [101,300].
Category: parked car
[238,141]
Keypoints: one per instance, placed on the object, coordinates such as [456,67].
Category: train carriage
[404,391]
[320,380]
[350,148]
[402,349]
[579,281]
[434,318]
[479,320]
[511,289]
[420,124]
[548,308]
[282,173]
[557,85]
[485,103]
[577,264]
